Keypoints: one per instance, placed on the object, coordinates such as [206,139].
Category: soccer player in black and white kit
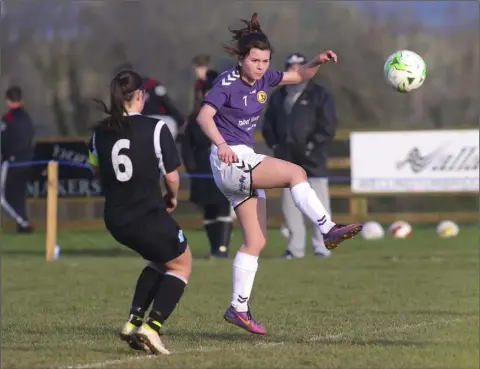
[129,151]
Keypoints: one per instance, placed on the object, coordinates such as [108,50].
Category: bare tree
[65,51]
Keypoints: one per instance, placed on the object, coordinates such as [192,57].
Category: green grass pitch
[373,305]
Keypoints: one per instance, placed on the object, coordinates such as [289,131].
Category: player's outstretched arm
[308,70]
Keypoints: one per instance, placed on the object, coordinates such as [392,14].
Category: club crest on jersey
[261,97]
[181,237]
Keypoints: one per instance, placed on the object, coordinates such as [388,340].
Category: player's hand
[170,203]
[226,154]
[327,56]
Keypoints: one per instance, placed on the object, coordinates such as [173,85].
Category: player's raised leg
[274,173]
[252,217]
[166,299]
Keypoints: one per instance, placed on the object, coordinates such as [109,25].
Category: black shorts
[155,236]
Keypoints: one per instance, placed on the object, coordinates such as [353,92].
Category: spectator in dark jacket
[17,135]
[204,192]
[158,103]
[299,124]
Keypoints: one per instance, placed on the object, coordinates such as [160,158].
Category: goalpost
[52,202]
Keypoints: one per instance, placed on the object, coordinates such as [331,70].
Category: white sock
[244,268]
[310,205]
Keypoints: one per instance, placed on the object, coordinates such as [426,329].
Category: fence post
[52,197]
[358,208]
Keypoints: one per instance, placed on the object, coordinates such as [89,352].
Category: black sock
[212,234]
[147,285]
[224,235]
[166,299]
[153,291]
[135,319]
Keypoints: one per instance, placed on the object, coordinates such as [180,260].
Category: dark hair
[201,60]
[248,38]
[14,94]
[122,89]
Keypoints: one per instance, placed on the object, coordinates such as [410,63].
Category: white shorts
[235,180]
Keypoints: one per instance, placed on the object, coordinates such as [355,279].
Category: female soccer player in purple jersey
[229,115]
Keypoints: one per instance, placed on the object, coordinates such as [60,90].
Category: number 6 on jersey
[124,172]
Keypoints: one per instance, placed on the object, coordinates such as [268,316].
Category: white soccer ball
[372,231]
[447,228]
[400,229]
[56,252]
[405,71]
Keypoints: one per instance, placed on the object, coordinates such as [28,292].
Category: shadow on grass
[202,341]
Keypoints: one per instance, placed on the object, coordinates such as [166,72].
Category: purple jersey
[239,104]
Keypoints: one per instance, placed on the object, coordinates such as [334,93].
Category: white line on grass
[106,363]
[330,337]
[393,329]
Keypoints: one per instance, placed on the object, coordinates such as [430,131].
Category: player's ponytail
[122,88]
[247,38]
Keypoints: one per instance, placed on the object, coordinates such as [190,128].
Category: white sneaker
[284,231]
[128,334]
[150,337]
[323,253]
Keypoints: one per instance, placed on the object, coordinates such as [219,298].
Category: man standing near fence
[17,135]
[299,124]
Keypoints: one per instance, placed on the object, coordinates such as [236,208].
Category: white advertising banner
[414,161]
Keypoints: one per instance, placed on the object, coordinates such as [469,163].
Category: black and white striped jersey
[129,161]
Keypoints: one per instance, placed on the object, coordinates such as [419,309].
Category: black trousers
[13,182]
[212,212]
[218,225]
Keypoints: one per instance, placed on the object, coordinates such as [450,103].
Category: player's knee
[183,271]
[182,265]
[187,263]
[256,244]
[262,243]
[297,175]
